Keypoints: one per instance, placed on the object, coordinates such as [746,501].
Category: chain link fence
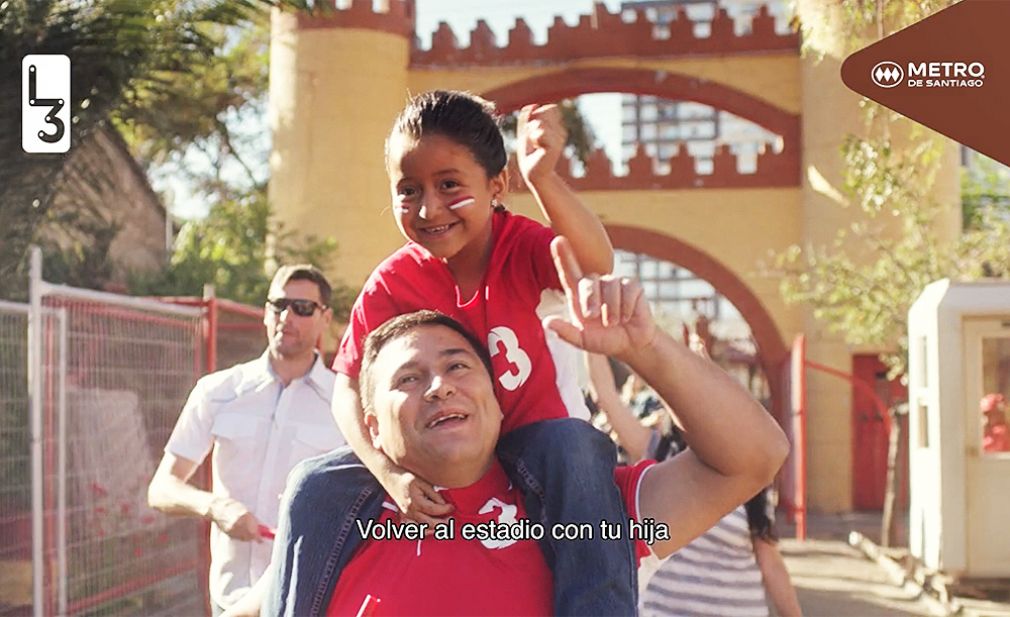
[91,385]
[240,334]
[127,370]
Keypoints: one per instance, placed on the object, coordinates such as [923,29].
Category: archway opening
[573,82]
[769,348]
[686,305]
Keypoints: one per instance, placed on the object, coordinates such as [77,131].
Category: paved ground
[834,579]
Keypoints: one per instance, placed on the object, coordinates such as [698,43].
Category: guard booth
[959,471]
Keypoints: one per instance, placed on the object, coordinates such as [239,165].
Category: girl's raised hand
[540,140]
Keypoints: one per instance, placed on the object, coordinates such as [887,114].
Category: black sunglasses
[302,308]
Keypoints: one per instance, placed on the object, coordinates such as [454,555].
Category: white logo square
[45,103]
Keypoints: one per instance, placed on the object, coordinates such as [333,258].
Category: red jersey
[520,280]
[479,576]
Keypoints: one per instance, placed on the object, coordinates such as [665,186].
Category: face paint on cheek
[461,202]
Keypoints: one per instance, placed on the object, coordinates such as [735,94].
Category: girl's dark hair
[464,118]
[757,517]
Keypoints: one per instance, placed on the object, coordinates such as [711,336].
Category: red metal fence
[91,385]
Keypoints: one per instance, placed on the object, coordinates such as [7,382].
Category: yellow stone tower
[337,82]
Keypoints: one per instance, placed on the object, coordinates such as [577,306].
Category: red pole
[799,396]
[799,393]
[210,327]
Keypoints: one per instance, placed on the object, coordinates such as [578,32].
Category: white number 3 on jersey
[510,380]
[507,517]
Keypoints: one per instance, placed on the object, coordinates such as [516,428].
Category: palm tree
[123,52]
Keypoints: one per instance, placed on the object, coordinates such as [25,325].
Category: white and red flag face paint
[461,202]
[455,204]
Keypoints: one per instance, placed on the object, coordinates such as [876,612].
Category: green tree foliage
[81,259]
[984,191]
[867,300]
[228,249]
[862,284]
[193,108]
[580,135]
[126,56]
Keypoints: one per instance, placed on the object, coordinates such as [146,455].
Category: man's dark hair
[399,326]
[464,118]
[304,272]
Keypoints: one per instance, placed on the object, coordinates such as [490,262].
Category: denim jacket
[314,541]
[564,468]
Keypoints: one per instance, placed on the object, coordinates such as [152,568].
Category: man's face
[290,335]
[434,411]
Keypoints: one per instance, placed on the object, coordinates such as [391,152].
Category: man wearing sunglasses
[260,418]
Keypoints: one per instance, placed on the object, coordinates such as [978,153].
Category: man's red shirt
[463,577]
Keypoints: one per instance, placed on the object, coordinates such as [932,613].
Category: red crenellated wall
[603,34]
[773,170]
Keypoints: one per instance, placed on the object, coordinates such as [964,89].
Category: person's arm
[735,445]
[171,493]
[776,579]
[417,499]
[632,435]
[541,142]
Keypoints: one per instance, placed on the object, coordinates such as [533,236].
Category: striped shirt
[716,574]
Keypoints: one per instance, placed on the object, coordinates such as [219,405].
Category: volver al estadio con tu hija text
[647,530]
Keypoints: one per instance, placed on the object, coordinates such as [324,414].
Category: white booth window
[993,407]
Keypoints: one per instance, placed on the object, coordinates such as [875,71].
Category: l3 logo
[45,103]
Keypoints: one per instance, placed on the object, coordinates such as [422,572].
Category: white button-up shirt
[259,430]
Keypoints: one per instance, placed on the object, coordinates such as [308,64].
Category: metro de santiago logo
[887,74]
[934,74]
